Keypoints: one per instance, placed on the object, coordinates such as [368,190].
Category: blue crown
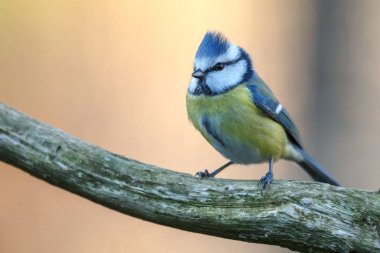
[212,45]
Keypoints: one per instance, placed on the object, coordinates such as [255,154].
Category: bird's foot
[202,174]
[265,181]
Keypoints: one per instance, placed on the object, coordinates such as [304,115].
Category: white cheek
[228,77]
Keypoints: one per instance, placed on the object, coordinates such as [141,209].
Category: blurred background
[115,73]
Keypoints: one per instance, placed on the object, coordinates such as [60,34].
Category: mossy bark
[302,216]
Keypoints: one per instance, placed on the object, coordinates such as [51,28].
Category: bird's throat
[203,89]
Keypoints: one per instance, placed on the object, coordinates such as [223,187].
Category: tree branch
[302,216]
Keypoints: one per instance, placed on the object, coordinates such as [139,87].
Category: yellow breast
[236,127]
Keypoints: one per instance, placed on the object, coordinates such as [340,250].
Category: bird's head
[219,66]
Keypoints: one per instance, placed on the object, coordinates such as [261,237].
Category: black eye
[218,67]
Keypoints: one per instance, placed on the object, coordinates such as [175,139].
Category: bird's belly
[236,128]
[243,140]
[238,152]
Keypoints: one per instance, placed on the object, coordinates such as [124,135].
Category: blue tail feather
[315,170]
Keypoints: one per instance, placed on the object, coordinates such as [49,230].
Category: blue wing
[264,99]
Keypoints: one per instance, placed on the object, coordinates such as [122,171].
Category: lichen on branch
[302,216]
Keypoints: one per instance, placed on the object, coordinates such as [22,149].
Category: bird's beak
[198,73]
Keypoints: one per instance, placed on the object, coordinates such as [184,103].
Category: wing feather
[264,99]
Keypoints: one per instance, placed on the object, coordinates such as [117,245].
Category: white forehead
[232,53]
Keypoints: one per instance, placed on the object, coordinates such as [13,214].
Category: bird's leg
[205,173]
[266,180]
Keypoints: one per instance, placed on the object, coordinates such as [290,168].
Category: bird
[237,113]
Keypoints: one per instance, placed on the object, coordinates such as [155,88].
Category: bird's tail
[316,171]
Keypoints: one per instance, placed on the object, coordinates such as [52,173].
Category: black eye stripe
[224,64]
[218,67]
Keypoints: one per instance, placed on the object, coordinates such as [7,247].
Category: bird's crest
[212,45]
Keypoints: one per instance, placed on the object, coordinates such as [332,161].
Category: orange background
[115,73]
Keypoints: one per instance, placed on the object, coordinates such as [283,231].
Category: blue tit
[237,113]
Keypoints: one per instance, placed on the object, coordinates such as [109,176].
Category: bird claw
[202,174]
[265,181]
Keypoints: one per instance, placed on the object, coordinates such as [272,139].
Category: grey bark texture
[302,216]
